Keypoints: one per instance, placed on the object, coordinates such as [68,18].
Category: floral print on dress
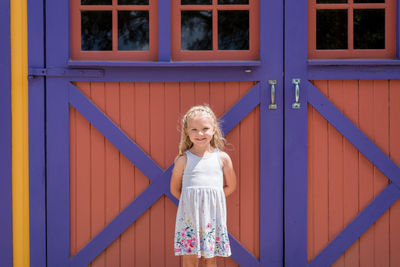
[209,242]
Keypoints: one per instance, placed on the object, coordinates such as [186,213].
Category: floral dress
[201,218]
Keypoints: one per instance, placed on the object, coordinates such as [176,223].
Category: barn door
[341,134]
[111,133]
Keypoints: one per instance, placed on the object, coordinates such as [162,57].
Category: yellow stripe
[19,107]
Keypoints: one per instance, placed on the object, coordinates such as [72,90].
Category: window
[351,29]
[114,30]
[215,30]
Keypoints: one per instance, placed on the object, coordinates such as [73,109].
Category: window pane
[196,2]
[96,2]
[233,2]
[96,30]
[133,30]
[331,1]
[233,30]
[196,30]
[133,2]
[369,1]
[369,29]
[332,29]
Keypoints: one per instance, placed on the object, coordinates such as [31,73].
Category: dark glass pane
[96,2]
[133,30]
[196,30]
[332,29]
[369,1]
[196,2]
[331,1]
[133,2]
[233,30]
[369,29]
[233,2]
[96,27]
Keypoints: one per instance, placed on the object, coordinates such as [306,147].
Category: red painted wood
[149,114]
[318,176]
[350,175]
[352,181]
[98,183]
[335,169]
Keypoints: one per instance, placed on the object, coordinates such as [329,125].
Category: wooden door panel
[103,181]
[342,182]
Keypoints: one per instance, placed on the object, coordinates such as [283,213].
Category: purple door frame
[50,109]
[6,241]
[297,66]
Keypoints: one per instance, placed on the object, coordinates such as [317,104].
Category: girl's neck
[201,151]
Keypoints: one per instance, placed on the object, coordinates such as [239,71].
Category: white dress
[201,218]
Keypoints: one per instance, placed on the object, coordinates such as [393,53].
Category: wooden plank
[310,184]
[127,184]
[335,170]
[142,225]
[157,152]
[98,173]
[247,144]
[187,96]
[72,178]
[230,97]
[172,137]
[319,177]
[366,183]
[83,176]
[381,135]
[394,140]
[202,93]
[350,169]
[112,207]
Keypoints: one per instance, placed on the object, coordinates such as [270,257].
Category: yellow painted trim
[20,151]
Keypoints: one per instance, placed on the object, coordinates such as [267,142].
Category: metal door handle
[272,105]
[296,104]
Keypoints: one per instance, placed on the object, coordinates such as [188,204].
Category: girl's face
[200,130]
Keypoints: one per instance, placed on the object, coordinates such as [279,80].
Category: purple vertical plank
[271,136]
[295,135]
[37,179]
[164,31]
[57,123]
[5,138]
[398,29]
[58,221]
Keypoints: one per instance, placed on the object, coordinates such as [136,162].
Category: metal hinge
[65,72]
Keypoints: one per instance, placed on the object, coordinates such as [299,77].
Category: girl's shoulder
[224,157]
[181,160]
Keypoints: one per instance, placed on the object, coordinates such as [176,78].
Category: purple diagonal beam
[353,134]
[357,227]
[114,134]
[240,110]
[124,219]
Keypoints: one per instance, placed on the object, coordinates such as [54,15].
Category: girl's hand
[176,177]
[229,174]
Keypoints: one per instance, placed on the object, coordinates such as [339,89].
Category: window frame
[211,55]
[390,32]
[114,54]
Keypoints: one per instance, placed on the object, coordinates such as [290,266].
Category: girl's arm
[229,174]
[176,177]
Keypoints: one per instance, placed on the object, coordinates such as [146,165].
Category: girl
[197,181]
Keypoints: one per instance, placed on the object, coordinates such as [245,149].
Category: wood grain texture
[103,181]
[341,181]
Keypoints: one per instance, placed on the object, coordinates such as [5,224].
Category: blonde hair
[218,140]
